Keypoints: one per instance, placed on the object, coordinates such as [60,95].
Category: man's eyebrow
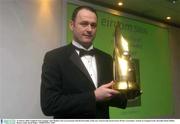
[88,22]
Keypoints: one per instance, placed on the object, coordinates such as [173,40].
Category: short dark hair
[76,10]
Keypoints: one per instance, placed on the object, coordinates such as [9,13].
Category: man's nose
[89,28]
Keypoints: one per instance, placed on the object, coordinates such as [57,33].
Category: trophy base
[130,89]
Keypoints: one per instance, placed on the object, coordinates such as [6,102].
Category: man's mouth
[89,36]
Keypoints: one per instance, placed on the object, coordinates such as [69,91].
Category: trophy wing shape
[123,68]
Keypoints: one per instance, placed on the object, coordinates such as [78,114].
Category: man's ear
[71,25]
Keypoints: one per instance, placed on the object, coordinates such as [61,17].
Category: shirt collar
[78,45]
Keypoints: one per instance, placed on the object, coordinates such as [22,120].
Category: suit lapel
[79,64]
[99,68]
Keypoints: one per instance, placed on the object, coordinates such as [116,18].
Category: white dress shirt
[89,62]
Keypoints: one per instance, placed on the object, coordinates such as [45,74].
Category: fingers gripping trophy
[124,72]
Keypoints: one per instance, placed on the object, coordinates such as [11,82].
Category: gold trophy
[124,72]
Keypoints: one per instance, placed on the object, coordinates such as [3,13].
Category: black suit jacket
[67,90]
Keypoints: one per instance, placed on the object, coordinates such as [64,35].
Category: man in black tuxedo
[77,78]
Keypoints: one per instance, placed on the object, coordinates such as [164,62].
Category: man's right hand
[105,92]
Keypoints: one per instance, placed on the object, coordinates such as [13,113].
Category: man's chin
[87,44]
[88,41]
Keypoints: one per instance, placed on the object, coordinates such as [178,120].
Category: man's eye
[93,25]
[84,24]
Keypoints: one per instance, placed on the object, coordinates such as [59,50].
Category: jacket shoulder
[103,54]
[60,52]
[58,55]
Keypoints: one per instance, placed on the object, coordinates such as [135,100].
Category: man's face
[84,27]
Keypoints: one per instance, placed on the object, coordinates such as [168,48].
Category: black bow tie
[83,52]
